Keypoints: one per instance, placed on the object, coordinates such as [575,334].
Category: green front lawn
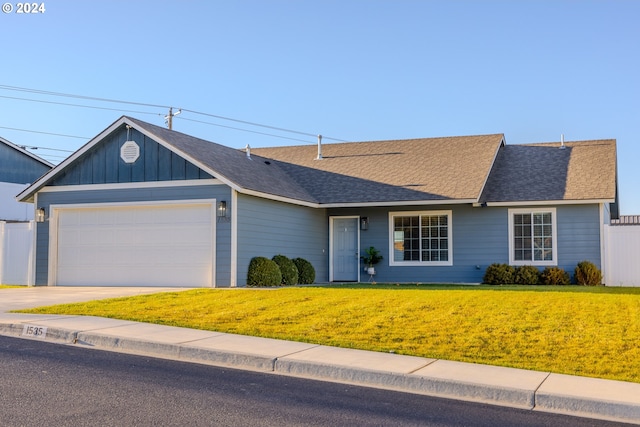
[573,330]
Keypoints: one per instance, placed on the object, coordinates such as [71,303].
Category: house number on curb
[32,331]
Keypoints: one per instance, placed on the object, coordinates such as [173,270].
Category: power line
[67,95]
[260,125]
[45,133]
[244,130]
[31,147]
[79,105]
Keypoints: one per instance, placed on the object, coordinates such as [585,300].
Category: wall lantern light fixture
[222,209]
[364,223]
[40,215]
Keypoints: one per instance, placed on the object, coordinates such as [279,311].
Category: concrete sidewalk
[541,391]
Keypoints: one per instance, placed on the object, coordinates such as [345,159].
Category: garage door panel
[164,245]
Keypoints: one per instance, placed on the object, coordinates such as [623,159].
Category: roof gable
[19,166]
[102,162]
[427,169]
[582,171]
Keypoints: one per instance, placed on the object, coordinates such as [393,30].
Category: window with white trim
[532,237]
[420,238]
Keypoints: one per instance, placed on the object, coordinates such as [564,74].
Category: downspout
[233,279]
[604,245]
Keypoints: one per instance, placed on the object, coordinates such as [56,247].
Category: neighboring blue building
[143,205]
[18,168]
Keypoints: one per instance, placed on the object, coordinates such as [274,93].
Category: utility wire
[260,125]
[79,105]
[31,147]
[244,130]
[46,133]
[69,95]
[60,94]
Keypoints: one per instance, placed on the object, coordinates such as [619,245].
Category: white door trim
[331,223]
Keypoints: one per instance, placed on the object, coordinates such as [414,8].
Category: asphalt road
[58,385]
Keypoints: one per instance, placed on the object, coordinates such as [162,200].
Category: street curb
[411,383]
[553,393]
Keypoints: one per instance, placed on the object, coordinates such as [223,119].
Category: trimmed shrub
[499,274]
[555,276]
[527,275]
[587,274]
[263,272]
[288,269]
[306,272]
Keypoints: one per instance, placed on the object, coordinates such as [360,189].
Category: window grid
[533,236]
[421,238]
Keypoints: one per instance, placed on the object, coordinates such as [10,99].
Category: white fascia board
[36,186]
[400,203]
[25,152]
[33,188]
[545,202]
[131,185]
[355,205]
[187,157]
[278,198]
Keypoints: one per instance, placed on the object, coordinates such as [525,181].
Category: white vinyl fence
[16,252]
[622,259]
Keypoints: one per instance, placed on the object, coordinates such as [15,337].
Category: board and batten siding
[103,165]
[146,194]
[480,238]
[267,228]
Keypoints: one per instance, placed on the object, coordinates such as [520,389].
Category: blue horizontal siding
[267,228]
[480,238]
[218,192]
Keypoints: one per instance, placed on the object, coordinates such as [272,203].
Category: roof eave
[25,152]
[30,191]
[544,202]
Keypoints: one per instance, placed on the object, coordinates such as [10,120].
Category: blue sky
[352,70]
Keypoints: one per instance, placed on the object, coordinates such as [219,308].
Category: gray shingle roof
[230,164]
[428,169]
[467,169]
[584,170]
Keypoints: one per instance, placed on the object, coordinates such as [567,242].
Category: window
[532,237]
[420,238]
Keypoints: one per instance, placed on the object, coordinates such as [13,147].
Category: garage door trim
[56,209]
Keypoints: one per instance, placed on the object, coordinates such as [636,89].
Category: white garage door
[159,245]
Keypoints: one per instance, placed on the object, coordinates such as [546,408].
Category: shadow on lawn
[473,287]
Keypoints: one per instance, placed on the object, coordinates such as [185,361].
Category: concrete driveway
[19,298]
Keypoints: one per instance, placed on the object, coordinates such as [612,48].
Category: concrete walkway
[540,391]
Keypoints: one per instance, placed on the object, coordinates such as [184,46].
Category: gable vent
[130,151]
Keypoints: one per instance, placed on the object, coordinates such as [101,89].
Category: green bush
[527,275]
[587,274]
[499,274]
[306,272]
[555,276]
[263,272]
[288,269]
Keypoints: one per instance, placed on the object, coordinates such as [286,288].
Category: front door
[345,259]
